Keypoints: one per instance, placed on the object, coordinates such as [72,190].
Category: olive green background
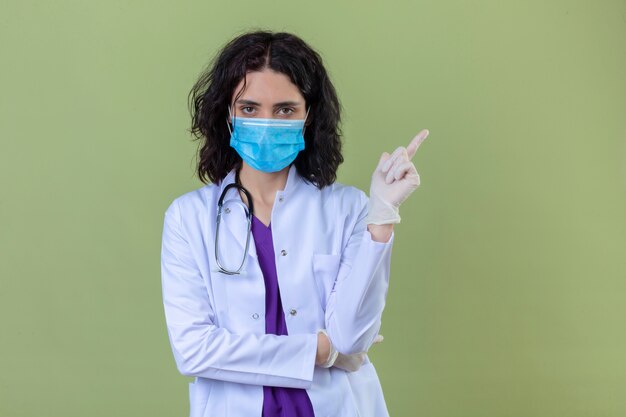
[508,289]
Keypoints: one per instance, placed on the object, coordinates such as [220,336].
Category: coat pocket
[325,270]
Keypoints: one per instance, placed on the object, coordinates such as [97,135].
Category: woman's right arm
[203,349]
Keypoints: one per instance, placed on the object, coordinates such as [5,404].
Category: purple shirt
[277,401]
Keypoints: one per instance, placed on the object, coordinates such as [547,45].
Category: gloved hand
[394,179]
[348,363]
[353,362]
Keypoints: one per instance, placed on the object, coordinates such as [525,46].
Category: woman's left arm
[355,305]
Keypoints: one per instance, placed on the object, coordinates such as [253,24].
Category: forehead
[268,87]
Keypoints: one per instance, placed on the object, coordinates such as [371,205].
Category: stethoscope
[249,213]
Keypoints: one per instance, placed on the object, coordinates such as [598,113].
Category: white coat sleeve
[203,349]
[355,305]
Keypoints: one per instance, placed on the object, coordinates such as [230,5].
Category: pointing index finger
[416,142]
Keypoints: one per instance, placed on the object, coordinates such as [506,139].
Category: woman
[278,322]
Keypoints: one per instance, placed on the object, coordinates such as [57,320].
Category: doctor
[288,334]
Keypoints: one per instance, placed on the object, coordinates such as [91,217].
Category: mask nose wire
[231,116]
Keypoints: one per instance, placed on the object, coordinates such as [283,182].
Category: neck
[263,185]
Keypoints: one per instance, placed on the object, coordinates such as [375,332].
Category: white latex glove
[394,179]
[348,363]
[353,362]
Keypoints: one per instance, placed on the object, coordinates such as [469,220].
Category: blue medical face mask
[267,145]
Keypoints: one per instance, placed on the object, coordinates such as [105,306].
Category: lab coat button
[227,210]
[255,316]
[283,252]
[293,312]
[281,198]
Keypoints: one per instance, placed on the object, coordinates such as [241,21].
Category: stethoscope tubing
[249,210]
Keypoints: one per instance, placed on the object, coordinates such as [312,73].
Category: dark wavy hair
[283,52]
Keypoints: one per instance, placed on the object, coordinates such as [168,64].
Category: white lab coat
[331,275]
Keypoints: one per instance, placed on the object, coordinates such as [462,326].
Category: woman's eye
[243,109]
[288,110]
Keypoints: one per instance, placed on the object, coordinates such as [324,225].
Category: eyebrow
[282,103]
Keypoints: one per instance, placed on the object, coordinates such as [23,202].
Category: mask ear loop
[305,117]
[228,121]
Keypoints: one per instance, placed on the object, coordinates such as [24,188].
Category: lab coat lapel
[233,224]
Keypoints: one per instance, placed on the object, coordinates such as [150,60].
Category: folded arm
[203,349]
